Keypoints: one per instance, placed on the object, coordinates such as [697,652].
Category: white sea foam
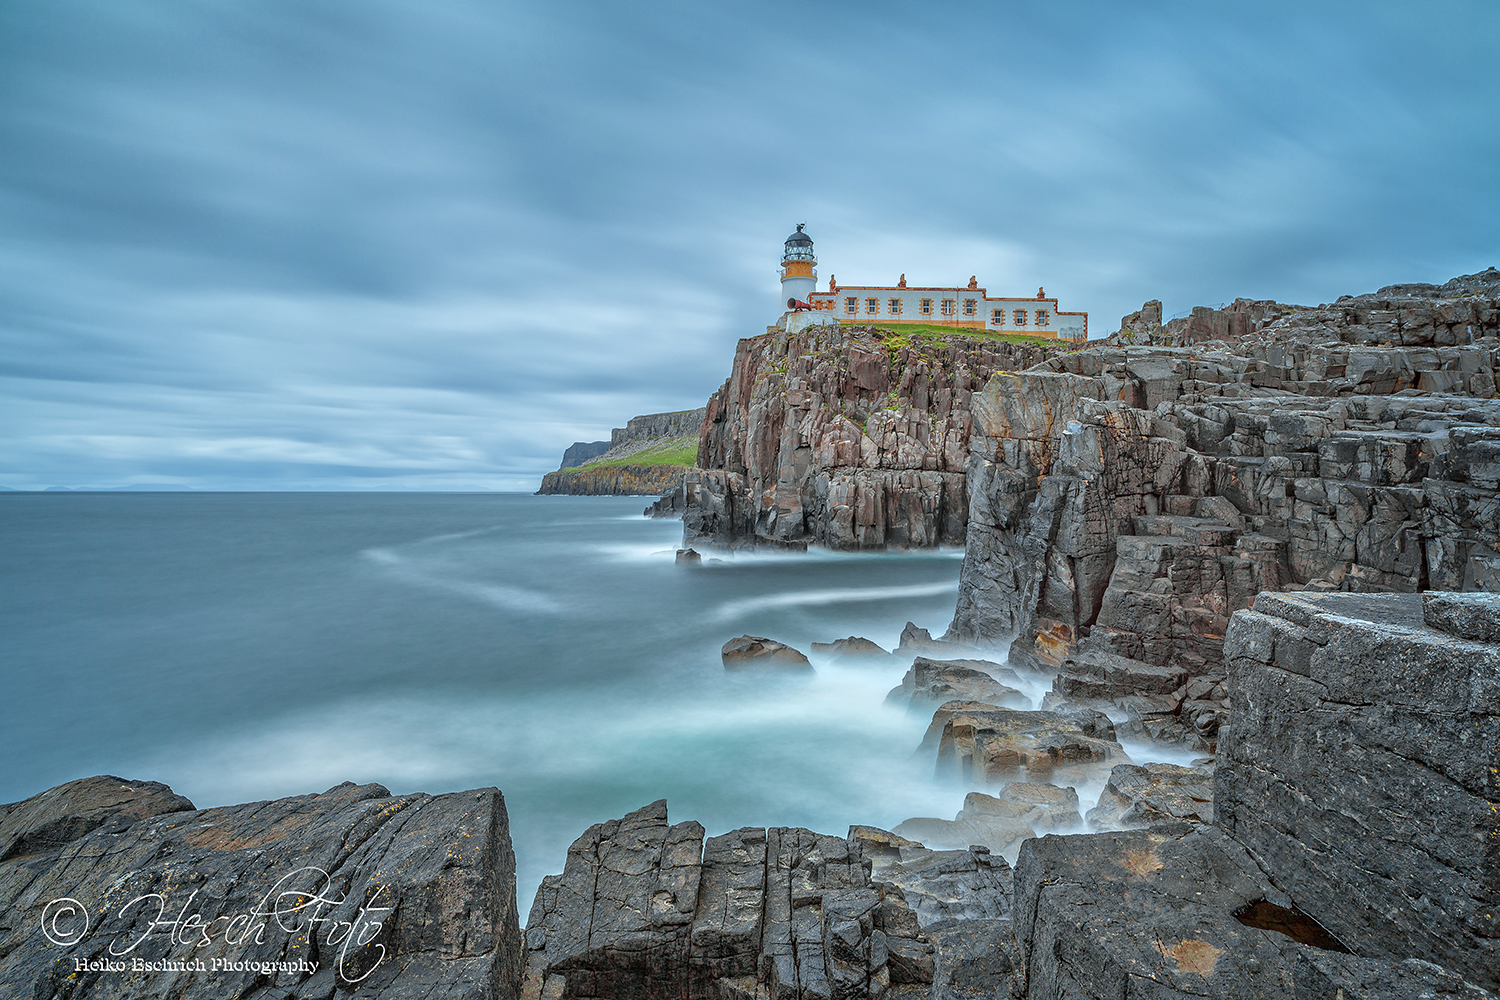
[414,572]
[833,595]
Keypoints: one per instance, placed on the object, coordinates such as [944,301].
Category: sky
[426,246]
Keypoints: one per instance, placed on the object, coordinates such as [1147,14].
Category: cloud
[383,245]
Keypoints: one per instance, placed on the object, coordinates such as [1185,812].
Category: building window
[895,307]
[969,307]
[947,307]
[926,307]
[851,305]
[872,306]
[997,317]
[1041,317]
[1020,317]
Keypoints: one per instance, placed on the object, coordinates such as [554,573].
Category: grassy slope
[668,451]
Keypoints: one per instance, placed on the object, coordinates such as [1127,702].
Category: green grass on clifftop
[668,451]
[906,332]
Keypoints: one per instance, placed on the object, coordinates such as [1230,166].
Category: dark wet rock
[419,891]
[931,683]
[881,845]
[1141,796]
[855,648]
[688,556]
[759,653]
[1362,764]
[648,909]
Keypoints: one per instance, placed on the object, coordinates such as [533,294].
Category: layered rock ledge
[1125,501]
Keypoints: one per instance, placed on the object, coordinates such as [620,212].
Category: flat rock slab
[1152,914]
[314,896]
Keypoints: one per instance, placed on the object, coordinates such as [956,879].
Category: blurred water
[249,646]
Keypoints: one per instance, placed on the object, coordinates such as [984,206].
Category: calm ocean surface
[250,646]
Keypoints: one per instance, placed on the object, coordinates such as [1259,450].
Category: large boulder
[1046,808]
[754,652]
[985,745]
[968,884]
[352,891]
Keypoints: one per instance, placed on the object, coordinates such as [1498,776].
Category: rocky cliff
[655,443]
[582,451]
[655,426]
[852,438]
[1125,501]
[613,480]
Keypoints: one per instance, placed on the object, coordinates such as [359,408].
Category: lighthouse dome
[799,245]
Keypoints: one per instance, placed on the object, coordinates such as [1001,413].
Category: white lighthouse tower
[799,276]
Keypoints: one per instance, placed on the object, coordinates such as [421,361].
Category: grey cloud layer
[408,246]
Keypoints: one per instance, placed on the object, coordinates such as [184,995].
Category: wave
[835,595]
[497,595]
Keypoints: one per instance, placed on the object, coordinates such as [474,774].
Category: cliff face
[652,426]
[582,451]
[852,438]
[1126,501]
[613,480]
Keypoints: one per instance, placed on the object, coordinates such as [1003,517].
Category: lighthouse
[799,277]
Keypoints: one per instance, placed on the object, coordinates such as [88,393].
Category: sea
[247,646]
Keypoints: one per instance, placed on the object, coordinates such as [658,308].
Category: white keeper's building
[968,306]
